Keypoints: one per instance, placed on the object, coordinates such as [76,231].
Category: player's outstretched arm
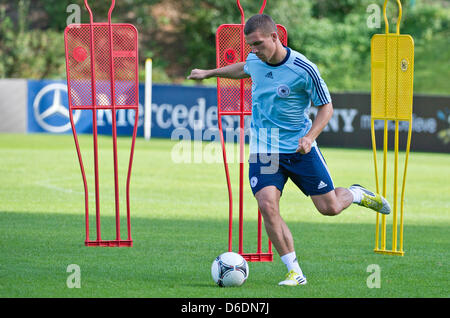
[234,71]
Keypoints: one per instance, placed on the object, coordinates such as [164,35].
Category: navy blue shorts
[309,171]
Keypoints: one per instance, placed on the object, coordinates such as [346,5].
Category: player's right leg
[279,234]
[268,203]
[267,186]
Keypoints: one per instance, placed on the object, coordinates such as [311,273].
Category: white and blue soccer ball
[229,270]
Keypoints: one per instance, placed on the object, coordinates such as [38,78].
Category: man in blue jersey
[285,83]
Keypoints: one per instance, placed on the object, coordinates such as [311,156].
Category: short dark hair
[261,22]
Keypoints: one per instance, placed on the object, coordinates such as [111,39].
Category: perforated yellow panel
[392,70]
[392,63]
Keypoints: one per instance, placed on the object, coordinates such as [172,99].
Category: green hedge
[333,34]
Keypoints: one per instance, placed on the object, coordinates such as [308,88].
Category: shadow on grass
[172,258]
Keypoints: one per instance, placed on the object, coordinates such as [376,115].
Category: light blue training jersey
[281,98]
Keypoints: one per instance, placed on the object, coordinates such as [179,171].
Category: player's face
[262,44]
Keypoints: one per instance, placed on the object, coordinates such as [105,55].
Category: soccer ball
[229,270]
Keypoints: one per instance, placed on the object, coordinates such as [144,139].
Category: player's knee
[268,208]
[330,210]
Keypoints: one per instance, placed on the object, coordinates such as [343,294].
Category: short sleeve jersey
[281,98]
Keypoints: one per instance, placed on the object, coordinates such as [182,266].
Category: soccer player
[285,83]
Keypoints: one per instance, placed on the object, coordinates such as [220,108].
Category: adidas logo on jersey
[321,185]
[269,75]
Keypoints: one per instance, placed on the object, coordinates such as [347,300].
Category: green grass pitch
[179,225]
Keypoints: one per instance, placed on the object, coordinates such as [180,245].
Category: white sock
[290,260]
[357,194]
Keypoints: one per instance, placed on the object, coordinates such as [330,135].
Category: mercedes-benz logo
[57,108]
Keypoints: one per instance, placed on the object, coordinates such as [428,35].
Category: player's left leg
[333,202]
[310,173]
[369,199]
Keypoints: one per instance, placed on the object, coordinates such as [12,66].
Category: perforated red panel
[80,71]
[231,48]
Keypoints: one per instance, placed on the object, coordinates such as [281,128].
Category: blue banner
[177,112]
[48,109]
[190,113]
[172,107]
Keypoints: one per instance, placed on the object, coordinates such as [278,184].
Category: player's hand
[304,145]
[197,74]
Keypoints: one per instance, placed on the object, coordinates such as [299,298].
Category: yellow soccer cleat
[293,279]
[372,200]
